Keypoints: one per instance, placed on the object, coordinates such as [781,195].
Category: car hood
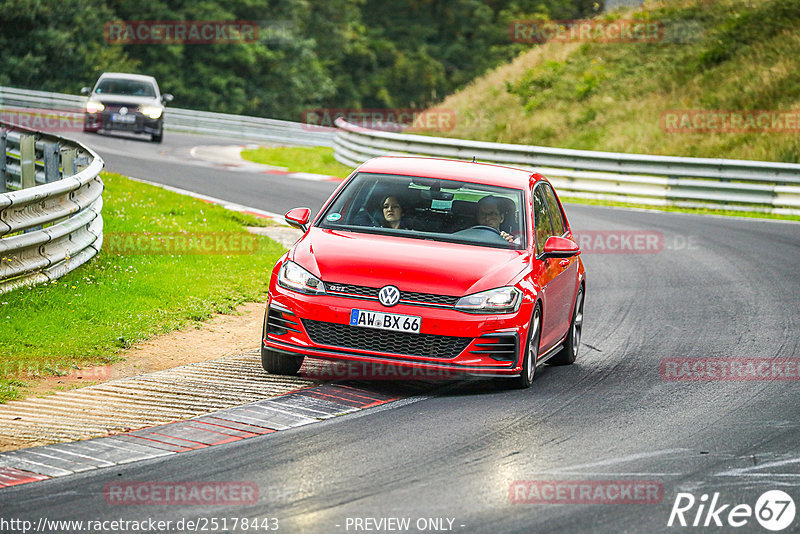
[126,99]
[410,264]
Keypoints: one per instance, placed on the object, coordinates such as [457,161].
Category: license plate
[385,321]
[125,119]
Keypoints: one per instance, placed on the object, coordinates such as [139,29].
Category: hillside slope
[734,56]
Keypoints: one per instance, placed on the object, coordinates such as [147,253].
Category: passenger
[394,213]
[491,213]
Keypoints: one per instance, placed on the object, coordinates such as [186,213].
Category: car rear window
[434,209]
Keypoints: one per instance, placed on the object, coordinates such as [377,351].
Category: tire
[157,138]
[87,128]
[525,379]
[567,355]
[278,363]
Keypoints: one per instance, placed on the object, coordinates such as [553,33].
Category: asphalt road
[719,288]
[171,163]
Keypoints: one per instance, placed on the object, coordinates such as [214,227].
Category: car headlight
[292,276]
[94,107]
[153,112]
[500,300]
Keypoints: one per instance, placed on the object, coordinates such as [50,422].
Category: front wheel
[278,363]
[525,378]
[569,352]
[157,138]
[89,129]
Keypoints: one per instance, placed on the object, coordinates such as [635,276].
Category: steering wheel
[483,227]
[372,218]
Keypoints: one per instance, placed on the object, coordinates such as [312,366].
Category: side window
[541,223]
[555,213]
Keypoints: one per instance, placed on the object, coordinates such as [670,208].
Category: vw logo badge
[389,296]
[123,111]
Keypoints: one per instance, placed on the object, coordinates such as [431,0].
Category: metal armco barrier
[50,204]
[182,120]
[641,179]
[739,185]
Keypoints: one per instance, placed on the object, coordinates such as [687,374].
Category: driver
[490,213]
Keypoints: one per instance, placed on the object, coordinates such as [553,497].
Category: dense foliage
[729,59]
[326,53]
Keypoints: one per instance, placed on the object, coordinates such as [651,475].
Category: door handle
[564,262]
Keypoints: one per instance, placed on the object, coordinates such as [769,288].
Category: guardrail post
[81,162]
[3,186]
[27,161]
[51,173]
[68,156]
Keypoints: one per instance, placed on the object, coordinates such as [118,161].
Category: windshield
[427,208]
[114,86]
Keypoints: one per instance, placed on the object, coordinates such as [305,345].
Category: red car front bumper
[449,342]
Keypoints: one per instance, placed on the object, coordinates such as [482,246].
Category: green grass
[88,316]
[317,160]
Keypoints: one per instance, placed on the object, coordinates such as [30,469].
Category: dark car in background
[127,103]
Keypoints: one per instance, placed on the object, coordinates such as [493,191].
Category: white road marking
[747,471]
[621,460]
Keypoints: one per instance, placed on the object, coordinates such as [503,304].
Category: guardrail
[50,206]
[182,120]
[737,185]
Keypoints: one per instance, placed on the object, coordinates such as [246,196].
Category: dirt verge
[222,335]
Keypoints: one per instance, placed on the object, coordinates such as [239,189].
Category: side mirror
[560,247]
[298,218]
[166,97]
[86,90]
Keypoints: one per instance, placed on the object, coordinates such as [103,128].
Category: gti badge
[389,295]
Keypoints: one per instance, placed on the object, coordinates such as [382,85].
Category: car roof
[464,171]
[127,76]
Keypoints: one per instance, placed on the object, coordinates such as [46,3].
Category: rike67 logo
[774,510]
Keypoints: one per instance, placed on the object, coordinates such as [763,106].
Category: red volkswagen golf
[433,265]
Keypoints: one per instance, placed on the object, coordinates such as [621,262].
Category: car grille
[405,296]
[374,340]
